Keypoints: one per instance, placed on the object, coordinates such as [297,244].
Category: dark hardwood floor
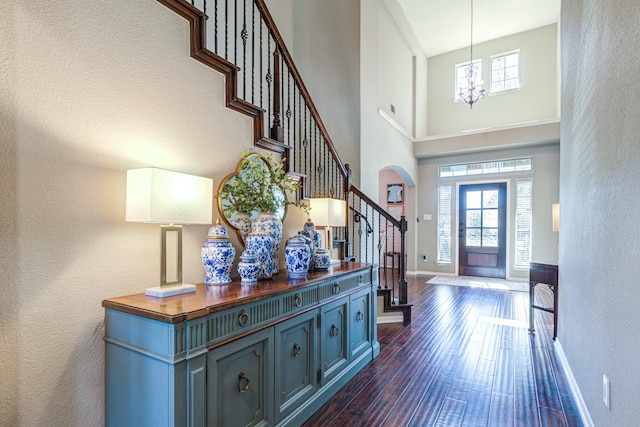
[466,359]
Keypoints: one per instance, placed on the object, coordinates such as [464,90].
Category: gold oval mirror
[248,191]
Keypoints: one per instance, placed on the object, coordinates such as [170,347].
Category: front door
[482,234]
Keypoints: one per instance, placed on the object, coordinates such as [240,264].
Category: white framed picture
[395,193]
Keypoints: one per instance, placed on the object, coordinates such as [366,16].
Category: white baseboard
[429,273]
[575,390]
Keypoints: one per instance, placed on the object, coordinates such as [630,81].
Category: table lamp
[327,213]
[172,199]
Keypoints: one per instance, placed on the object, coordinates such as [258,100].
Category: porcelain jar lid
[297,240]
[218,231]
[248,256]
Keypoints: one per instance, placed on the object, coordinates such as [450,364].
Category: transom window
[484,168]
[505,72]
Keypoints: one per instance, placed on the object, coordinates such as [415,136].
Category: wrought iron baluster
[226,29]
[215,28]
[276,129]
[244,35]
[269,80]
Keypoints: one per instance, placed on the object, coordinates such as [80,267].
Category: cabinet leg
[532,287]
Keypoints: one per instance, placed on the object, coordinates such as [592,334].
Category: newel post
[402,282]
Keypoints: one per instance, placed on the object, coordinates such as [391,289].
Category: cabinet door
[295,367]
[359,317]
[239,382]
[334,355]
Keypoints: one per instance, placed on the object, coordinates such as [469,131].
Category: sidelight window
[524,216]
[444,224]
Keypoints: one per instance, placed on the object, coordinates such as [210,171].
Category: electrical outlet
[606,392]
[424,258]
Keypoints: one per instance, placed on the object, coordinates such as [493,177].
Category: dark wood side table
[546,273]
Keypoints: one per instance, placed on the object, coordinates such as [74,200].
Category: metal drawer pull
[297,300]
[361,279]
[296,350]
[243,383]
[336,288]
[243,318]
[360,316]
[334,331]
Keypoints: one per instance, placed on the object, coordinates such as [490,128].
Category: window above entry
[505,72]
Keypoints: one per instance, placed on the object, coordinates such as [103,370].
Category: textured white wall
[87,91]
[382,144]
[536,100]
[326,50]
[599,204]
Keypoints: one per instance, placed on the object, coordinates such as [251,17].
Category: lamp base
[335,262]
[168,291]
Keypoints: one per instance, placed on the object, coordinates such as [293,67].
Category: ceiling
[444,25]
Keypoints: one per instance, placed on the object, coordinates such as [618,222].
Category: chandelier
[474,91]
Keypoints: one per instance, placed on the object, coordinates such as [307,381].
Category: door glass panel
[490,218]
[490,199]
[473,237]
[490,238]
[473,218]
[474,199]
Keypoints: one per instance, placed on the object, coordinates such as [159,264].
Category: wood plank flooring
[467,359]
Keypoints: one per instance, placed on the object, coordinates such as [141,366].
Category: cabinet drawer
[299,300]
[239,376]
[231,322]
[336,287]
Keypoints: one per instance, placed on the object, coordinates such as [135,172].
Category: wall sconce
[328,213]
[171,198]
[555,212]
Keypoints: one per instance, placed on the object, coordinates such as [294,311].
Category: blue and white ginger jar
[217,256]
[268,223]
[262,247]
[242,221]
[249,268]
[297,256]
[309,230]
[321,259]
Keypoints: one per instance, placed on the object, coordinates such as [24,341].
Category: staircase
[239,39]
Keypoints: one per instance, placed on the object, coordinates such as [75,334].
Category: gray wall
[536,100]
[545,192]
[599,201]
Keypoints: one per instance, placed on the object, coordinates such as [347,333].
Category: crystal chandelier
[474,91]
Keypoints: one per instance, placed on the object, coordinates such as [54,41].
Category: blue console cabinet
[234,355]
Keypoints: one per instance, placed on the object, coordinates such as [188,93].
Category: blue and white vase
[309,230]
[321,259]
[262,247]
[217,256]
[268,223]
[297,256]
[242,221]
[249,268]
